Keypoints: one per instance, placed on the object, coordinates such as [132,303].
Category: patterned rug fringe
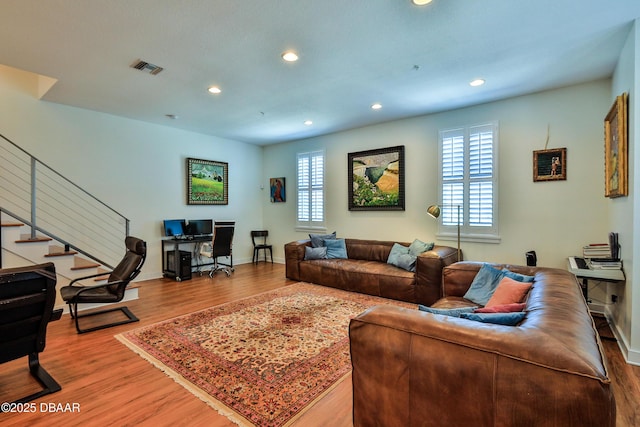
[221,408]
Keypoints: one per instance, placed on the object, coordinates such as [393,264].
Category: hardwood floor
[113,386]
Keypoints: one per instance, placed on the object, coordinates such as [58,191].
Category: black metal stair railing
[50,204]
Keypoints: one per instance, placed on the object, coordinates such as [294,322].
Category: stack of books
[596,250]
[598,257]
[605,264]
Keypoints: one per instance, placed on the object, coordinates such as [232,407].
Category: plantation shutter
[468,180]
[311,189]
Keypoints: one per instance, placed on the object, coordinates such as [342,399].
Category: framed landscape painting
[615,149]
[376,179]
[207,182]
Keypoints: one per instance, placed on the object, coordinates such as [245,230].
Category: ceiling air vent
[146,67]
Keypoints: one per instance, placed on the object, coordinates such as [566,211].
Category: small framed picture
[277,190]
[550,165]
[615,149]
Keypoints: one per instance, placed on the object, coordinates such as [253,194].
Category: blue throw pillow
[507,319]
[336,248]
[315,253]
[396,250]
[318,239]
[417,247]
[484,284]
[455,312]
[517,276]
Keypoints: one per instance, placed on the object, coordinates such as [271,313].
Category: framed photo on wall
[207,182]
[550,165]
[376,179]
[277,190]
[615,149]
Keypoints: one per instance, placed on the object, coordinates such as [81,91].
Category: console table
[586,274]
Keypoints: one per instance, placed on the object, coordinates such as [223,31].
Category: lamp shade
[434,211]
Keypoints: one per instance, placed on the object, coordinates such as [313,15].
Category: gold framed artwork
[615,149]
[207,182]
[550,165]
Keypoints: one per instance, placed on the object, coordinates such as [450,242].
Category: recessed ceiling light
[476,82]
[421,2]
[290,56]
[308,122]
[376,106]
[214,90]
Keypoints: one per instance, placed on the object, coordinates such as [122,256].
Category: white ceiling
[413,60]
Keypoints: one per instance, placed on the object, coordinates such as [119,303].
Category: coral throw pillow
[509,291]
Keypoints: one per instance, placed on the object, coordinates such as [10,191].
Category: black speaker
[532,259]
[181,269]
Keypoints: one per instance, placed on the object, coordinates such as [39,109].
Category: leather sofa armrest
[294,254]
[429,266]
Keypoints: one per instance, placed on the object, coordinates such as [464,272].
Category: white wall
[553,218]
[625,211]
[135,167]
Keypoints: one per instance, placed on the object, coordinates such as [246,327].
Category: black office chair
[221,247]
[110,292]
[27,296]
[259,239]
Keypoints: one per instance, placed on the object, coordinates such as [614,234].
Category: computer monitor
[199,227]
[174,227]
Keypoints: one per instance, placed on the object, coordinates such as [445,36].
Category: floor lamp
[434,211]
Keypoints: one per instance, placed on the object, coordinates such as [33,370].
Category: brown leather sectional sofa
[366,270]
[412,368]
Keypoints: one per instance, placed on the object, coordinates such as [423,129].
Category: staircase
[46,217]
[20,249]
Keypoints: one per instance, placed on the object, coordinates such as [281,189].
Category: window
[468,181]
[311,190]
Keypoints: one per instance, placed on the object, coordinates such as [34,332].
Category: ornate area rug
[262,360]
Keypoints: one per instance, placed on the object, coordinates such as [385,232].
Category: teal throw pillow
[507,319]
[487,280]
[417,247]
[336,248]
[315,253]
[396,250]
[407,262]
[455,312]
[517,276]
[484,284]
[318,239]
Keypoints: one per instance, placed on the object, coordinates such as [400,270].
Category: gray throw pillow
[417,247]
[315,253]
[396,250]
[317,240]
[407,262]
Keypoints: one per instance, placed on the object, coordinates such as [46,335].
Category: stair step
[59,251]
[11,224]
[82,264]
[26,238]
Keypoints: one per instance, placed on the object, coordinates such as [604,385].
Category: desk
[174,246]
[605,275]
